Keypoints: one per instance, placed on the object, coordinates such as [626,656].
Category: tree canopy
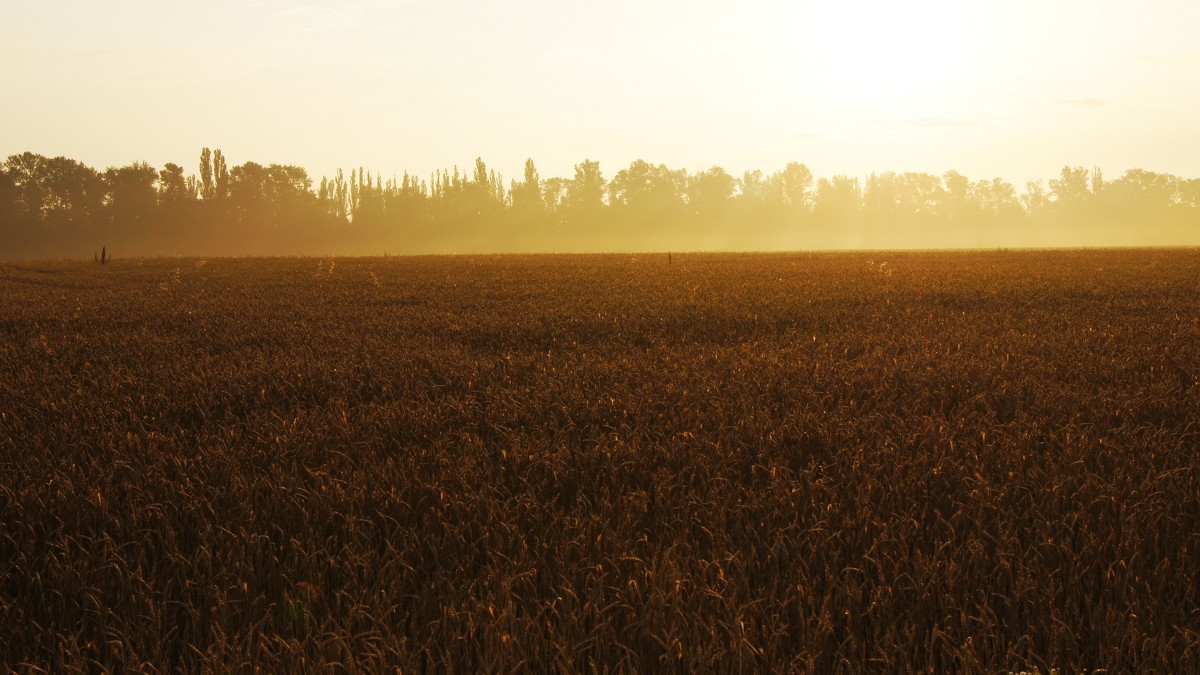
[56,206]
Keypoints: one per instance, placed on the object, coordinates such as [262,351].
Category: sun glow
[894,58]
[1015,89]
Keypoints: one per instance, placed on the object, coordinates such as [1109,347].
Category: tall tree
[8,201]
[206,174]
[220,175]
[527,194]
[838,201]
[172,186]
[1072,187]
[797,183]
[554,194]
[28,179]
[710,192]
[132,195]
[648,190]
[959,206]
[754,187]
[481,192]
[1074,203]
[998,201]
[54,193]
[1035,199]
[586,191]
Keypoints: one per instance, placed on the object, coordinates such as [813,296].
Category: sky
[1013,89]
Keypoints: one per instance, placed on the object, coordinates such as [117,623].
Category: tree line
[59,207]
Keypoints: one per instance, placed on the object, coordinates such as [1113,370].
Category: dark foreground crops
[882,462]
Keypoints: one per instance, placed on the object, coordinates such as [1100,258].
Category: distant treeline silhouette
[59,207]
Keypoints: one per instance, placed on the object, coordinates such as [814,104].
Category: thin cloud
[1081,102]
[928,123]
[322,17]
[318,18]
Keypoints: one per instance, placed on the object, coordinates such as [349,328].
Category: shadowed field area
[963,462]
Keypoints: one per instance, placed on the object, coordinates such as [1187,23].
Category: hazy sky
[1014,89]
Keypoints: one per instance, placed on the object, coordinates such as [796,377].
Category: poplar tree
[206,174]
[221,173]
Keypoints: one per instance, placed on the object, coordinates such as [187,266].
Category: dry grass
[973,462]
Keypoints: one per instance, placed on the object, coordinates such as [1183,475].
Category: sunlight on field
[682,336]
[969,462]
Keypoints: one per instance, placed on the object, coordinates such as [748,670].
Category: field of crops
[957,462]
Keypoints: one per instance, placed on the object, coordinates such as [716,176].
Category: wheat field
[852,462]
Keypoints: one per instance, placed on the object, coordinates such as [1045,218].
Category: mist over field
[59,207]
